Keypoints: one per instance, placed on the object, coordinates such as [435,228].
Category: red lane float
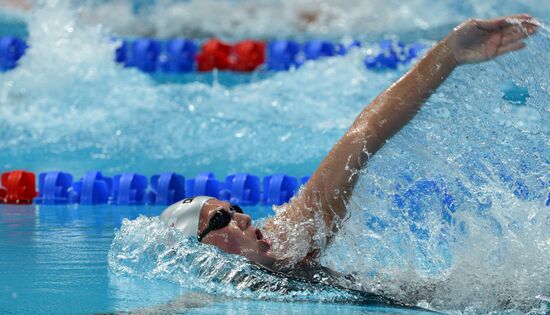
[19,187]
[244,56]
[215,54]
[249,55]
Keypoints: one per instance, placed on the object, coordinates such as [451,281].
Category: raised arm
[329,189]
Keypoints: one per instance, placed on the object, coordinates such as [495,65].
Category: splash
[145,247]
[290,19]
[456,204]
[451,212]
[68,98]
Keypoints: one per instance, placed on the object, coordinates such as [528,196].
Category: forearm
[400,102]
[382,118]
[332,184]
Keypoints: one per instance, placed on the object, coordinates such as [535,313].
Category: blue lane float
[166,188]
[344,48]
[179,55]
[244,189]
[129,189]
[121,54]
[315,49]
[11,50]
[92,189]
[144,55]
[204,184]
[278,189]
[54,188]
[390,54]
[282,55]
[414,50]
[58,187]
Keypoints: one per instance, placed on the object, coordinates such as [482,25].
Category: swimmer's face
[238,237]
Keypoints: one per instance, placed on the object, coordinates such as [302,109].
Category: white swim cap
[184,215]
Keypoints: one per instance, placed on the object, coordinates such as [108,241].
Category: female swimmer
[311,220]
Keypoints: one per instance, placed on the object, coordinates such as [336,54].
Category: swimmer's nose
[243,220]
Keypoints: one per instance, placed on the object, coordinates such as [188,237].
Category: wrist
[444,53]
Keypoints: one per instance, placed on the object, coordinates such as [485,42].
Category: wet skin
[238,237]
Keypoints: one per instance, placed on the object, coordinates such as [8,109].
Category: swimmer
[316,215]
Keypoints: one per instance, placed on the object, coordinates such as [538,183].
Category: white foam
[75,109]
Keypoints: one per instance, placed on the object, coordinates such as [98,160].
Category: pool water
[452,214]
[54,261]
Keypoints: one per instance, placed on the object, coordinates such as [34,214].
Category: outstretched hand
[479,40]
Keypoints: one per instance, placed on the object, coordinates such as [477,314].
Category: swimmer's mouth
[259,235]
[260,238]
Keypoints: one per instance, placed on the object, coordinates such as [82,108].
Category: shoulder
[294,240]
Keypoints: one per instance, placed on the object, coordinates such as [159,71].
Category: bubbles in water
[145,247]
[451,212]
[285,18]
[526,119]
[75,102]
[460,220]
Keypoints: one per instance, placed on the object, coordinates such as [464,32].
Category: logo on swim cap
[188,200]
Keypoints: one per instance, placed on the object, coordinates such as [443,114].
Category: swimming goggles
[220,219]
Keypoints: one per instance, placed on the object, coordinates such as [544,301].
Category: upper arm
[312,218]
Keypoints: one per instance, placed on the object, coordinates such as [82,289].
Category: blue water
[454,206]
[54,261]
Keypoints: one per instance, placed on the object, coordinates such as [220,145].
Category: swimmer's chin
[270,263]
[266,257]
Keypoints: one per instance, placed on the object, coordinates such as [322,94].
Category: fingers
[506,21]
[494,24]
[523,19]
[516,32]
[518,17]
[510,47]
